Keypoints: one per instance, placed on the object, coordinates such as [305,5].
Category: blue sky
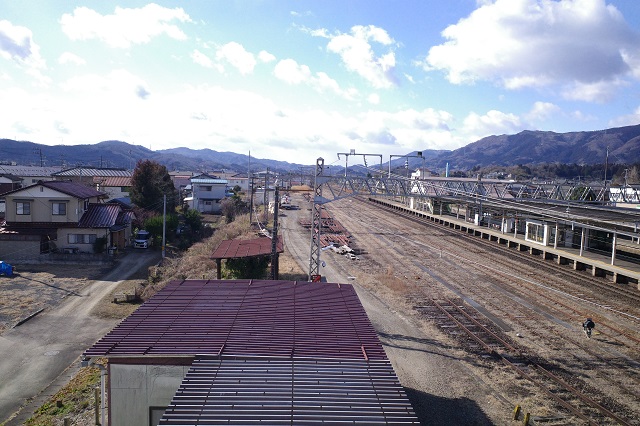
[297,80]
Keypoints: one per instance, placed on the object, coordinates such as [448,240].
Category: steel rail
[574,392]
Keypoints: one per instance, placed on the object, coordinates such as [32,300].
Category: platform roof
[246,318]
[233,249]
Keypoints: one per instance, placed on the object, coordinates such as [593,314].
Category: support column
[555,240]
[582,242]
[613,248]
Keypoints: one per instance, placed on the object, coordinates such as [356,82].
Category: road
[40,355]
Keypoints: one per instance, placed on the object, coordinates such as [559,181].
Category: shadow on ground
[435,411]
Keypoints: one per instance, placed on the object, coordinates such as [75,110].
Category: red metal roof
[230,249]
[289,392]
[247,318]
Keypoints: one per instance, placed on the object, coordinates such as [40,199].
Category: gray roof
[90,171]
[29,170]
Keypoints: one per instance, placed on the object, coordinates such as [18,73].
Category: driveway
[40,355]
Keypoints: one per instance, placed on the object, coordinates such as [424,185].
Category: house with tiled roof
[59,216]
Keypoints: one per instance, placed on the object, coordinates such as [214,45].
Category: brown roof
[100,216]
[231,249]
[247,318]
[112,180]
[66,187]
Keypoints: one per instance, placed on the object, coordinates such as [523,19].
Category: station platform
[598,264]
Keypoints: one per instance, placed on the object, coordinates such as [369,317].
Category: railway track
[455,315]
[400,241]
[599,283]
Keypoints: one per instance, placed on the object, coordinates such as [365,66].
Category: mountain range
[617,145]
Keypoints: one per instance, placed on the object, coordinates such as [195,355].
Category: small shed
[250,352]
[237,249]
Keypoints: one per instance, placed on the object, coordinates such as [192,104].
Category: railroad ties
[469,327]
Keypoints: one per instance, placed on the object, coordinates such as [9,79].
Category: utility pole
[164,223]
[274,236]
[316,222]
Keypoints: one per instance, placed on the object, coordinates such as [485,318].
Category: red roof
[247,318]
[231,249]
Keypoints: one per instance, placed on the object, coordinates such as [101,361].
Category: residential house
[87,175]
[51,215]
[237,180]
[207,193]
[9,182]
[30,174]
[113,186]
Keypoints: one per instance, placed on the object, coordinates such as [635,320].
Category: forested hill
[536,147]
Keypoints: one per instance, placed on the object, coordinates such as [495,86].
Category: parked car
[142,240]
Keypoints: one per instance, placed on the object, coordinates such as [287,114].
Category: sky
[296,80]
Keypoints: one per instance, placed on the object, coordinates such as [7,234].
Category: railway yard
[503,328]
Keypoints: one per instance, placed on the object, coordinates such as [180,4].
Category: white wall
[135,388]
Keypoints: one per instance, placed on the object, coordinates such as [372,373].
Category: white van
[143,239]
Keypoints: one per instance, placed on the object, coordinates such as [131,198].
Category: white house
[207,193]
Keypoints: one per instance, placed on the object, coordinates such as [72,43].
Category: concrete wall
[135,388]
[19,248]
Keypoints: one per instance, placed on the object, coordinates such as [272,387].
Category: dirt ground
[37,287]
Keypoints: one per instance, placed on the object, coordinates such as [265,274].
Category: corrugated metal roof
[231,249]
[209,181]
[100,216]
[289,392]
[247,318]
[112,180]
[29,170]
[91,171]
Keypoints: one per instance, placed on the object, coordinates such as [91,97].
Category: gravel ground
[436,375]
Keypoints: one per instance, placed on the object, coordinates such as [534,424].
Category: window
[23,208]
[206,188]
[59,209]
[86,205]
[82,238]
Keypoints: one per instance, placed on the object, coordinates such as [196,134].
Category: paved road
[40,355]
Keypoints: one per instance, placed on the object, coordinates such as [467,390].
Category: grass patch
[76,401]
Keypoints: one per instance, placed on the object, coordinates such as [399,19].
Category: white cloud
[599,91]
[626,120]
[542,110]
[494,122]
[70,58]
[359,56]
[293,73]
[373,99]
[266,57]
[203,60]
[532,43]
[119,86]
[17,45]
[125,27]
[236,55]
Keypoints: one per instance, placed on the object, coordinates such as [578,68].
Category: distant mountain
[535,147]
[528,147]
[118,154]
